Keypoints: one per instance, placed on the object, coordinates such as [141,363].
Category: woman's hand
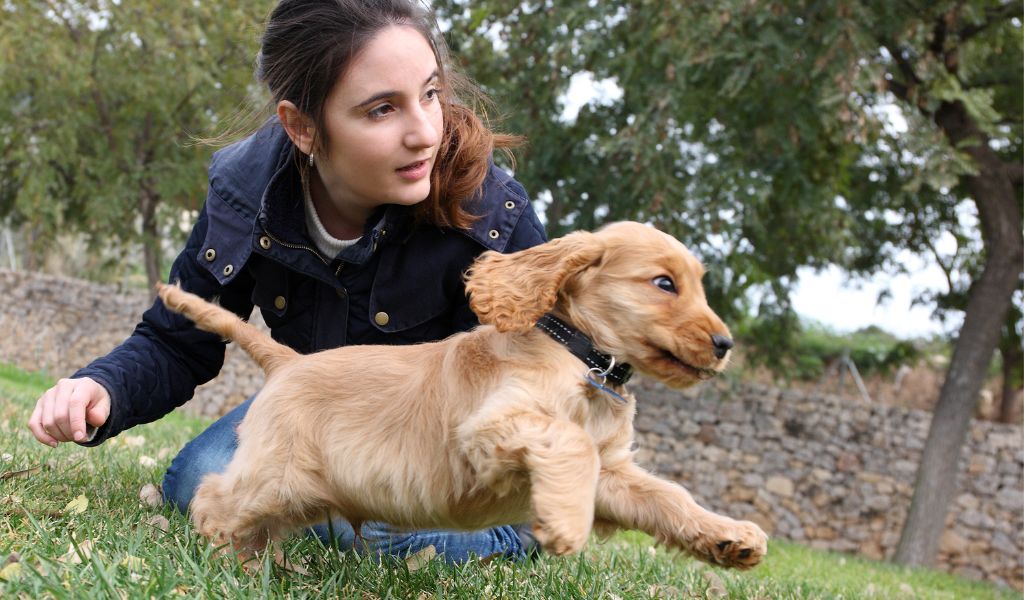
[62,412]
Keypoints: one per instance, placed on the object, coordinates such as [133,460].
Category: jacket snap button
[265,242]
[493,233]
[341,292]
[228,270]
[381,318]
[510,205]
[210,254]
[280,302]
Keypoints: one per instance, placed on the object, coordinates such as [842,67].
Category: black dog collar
[582,348]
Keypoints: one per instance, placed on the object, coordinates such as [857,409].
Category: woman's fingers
[62,412]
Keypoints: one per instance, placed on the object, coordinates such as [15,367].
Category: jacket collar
[498,208]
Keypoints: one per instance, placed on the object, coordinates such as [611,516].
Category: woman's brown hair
[308,44]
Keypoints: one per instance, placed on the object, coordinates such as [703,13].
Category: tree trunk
[987,304]
[1010,402]
[150,240]
[1012,352]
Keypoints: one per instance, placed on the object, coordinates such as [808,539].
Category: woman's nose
[424,127]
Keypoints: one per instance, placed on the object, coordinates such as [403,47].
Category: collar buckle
[601,365]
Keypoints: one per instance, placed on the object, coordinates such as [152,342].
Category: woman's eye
[381,111]
[432,94]
[665,283]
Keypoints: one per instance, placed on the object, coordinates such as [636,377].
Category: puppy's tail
[209,317]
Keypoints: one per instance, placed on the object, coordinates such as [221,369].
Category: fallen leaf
[134,563]
[134,441]
[76,557]
[151,495]
[11,572]
[292,567]
[77,506]
[716,587]
[420,559]
[147,461]
[160,522]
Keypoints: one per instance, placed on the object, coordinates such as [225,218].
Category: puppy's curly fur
[488,427]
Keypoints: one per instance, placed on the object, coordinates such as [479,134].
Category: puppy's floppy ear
[512,291]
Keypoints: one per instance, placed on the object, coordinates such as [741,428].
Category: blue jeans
[212,450]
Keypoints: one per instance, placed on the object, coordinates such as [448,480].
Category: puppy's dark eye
[665,283]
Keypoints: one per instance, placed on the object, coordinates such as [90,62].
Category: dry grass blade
[22,473]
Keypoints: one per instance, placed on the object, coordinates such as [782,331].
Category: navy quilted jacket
[401,283]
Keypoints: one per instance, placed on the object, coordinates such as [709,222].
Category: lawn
[74,526]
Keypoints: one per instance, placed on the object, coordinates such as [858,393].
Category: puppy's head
[635,291]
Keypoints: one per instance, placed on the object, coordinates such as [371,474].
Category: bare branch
[898,89]
[97,96]
[907,89]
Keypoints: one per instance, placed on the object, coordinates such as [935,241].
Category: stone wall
[58,325]
[834,473]
[829,472]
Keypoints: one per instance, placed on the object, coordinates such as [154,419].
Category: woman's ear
[298,126]
[512,291]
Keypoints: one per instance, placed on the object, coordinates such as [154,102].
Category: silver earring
[311,159]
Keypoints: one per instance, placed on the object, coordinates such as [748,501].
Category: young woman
[349,218]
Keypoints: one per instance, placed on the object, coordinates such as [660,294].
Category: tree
[761,133]
[1012,353]
[101,100]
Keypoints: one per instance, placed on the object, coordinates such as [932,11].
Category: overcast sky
[825,297]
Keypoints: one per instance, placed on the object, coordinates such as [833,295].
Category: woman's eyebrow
[387,94]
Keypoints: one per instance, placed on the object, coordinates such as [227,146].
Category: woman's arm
[159,366]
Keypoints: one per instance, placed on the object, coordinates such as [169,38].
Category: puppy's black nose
[722,345]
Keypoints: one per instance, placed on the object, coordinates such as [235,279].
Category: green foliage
[757,133]
[98,101]
[873,350]
[111,545]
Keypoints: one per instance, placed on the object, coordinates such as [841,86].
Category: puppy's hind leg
[244,513]
[215,515]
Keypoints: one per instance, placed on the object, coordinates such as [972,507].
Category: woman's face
[383,124]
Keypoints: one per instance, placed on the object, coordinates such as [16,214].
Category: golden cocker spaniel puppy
[525,418]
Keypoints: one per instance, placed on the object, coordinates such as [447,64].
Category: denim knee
[454,547]
[209,452]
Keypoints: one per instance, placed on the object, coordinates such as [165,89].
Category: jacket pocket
[286,310]
[418,287]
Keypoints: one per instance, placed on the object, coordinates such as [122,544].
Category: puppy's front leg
[635,499]
[562,464]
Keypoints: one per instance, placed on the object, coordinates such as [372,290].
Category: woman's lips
[414,171]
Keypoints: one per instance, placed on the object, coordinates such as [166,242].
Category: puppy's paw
[560,537]
[734,544]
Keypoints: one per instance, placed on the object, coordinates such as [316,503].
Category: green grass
[128,557]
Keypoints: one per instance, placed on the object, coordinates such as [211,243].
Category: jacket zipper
[307,248]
